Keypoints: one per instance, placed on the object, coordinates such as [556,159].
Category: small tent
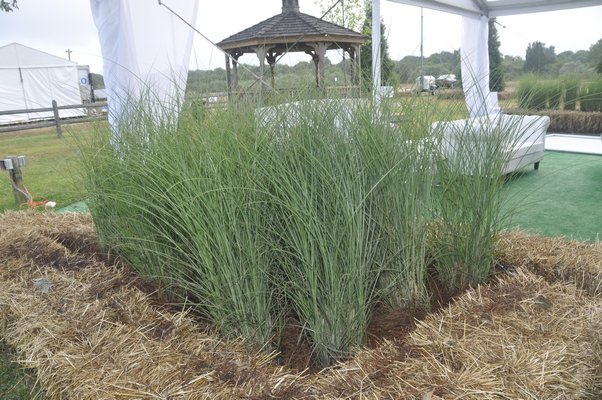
[31,79]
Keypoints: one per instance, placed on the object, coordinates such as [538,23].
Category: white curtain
[475,67]
[146,52]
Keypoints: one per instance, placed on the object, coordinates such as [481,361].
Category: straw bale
[95,334]
[523,338]
[556,259]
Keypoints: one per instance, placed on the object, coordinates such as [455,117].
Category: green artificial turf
[562,198]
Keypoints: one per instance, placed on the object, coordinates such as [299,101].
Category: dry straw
[556,259]
[96,335]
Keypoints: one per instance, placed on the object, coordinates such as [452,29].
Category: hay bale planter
[95,333]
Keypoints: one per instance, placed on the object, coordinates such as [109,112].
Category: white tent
[474,50]
[146,51]
[31,79]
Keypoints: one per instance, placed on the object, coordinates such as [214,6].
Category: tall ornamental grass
[180,203]
[316,209]
[402,157]
[571,92]
[350,225]
[326,239]
[591,96]
[532,93]
[554,93]
[469,198]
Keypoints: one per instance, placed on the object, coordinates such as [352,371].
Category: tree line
[539,59]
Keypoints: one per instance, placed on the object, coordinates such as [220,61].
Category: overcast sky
[57,25]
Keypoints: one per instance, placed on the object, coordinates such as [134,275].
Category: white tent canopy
[146,52]
[498,8]
[474,48]
[31,79]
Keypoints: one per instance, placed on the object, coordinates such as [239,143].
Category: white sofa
[521,138]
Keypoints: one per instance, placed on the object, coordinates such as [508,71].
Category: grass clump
[469,199]
[178,202]
[327,239]
[571,86]
[317,209]
[591,97]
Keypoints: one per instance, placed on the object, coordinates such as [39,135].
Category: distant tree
[595,56]
[97,81]
[496,70]
[8,5]
[407,68]
[387,67]
[513,67]
[572,68]
[538,57]
[348,13]
[595,53]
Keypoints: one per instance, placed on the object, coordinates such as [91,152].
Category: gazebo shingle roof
[293,25]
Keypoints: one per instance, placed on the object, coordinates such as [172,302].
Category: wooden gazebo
[291,31]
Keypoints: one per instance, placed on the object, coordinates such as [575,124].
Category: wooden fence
[93,114]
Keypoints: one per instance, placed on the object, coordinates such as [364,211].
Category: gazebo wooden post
[356,71]
[318,55]
[261,53]
[228,77]
[358,64]
[271,57]
[321,51]
[235,56]
[314,58]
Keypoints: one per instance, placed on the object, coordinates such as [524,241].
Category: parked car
[447,80]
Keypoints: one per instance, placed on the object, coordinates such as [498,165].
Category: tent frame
[467,8]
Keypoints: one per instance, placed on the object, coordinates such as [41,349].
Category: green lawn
[562,198]
[16,383]
[53,169]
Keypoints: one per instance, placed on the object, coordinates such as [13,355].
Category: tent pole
[421,49]
[376,56]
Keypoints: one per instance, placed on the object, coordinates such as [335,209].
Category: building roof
[16,55]
[294,28]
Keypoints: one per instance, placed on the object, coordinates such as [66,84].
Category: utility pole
[69,51]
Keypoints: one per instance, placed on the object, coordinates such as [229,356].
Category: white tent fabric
[31,79]
[475,67]
[498,8]
[146,52]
